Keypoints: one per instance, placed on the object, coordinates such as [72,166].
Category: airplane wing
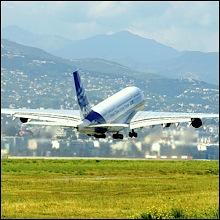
[69,118]
[148,118]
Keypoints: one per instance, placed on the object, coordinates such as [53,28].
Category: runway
[72,158]
[92,158]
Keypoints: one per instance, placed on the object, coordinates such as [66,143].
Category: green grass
[37,188]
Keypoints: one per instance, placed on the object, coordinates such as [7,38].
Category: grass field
[37,188]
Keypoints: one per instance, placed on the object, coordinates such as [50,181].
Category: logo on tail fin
[81,95]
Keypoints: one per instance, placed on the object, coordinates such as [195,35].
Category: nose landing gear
[132,134]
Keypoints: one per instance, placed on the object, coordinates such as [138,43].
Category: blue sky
[182,25]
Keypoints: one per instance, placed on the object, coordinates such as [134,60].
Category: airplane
[121,111]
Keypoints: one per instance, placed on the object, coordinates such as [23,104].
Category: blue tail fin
[81,95]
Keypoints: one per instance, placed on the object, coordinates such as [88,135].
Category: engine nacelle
[196,122]
[166,125]
[24,120]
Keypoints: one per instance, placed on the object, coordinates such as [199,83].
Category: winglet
[81,95]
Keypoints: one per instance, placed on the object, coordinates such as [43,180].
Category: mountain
[45,42]
[31,60]
[195,64]
[122,46]
[146,55]
[112,47]
[33,78]
[131,50]
[34,61]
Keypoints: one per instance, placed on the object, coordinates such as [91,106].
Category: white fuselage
[118,108]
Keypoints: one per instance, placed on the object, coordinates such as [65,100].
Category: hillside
[138,53]
[34,78]
[34,60]
[196,64]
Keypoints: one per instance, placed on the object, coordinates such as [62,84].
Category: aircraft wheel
[132,134]
[117,136]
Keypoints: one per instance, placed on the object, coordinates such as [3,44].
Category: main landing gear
[117,136]
[99,135]
[120,136]
[132,134]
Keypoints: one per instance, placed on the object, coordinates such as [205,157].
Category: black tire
[117,136]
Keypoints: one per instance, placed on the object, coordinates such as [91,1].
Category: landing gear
[117,136]
[99,135]
[132,134]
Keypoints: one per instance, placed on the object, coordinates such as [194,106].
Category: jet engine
[166,125]
[24,120]
[196,122]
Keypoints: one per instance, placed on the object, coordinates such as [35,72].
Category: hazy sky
[182,25]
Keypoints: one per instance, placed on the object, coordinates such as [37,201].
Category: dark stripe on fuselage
[95,117]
